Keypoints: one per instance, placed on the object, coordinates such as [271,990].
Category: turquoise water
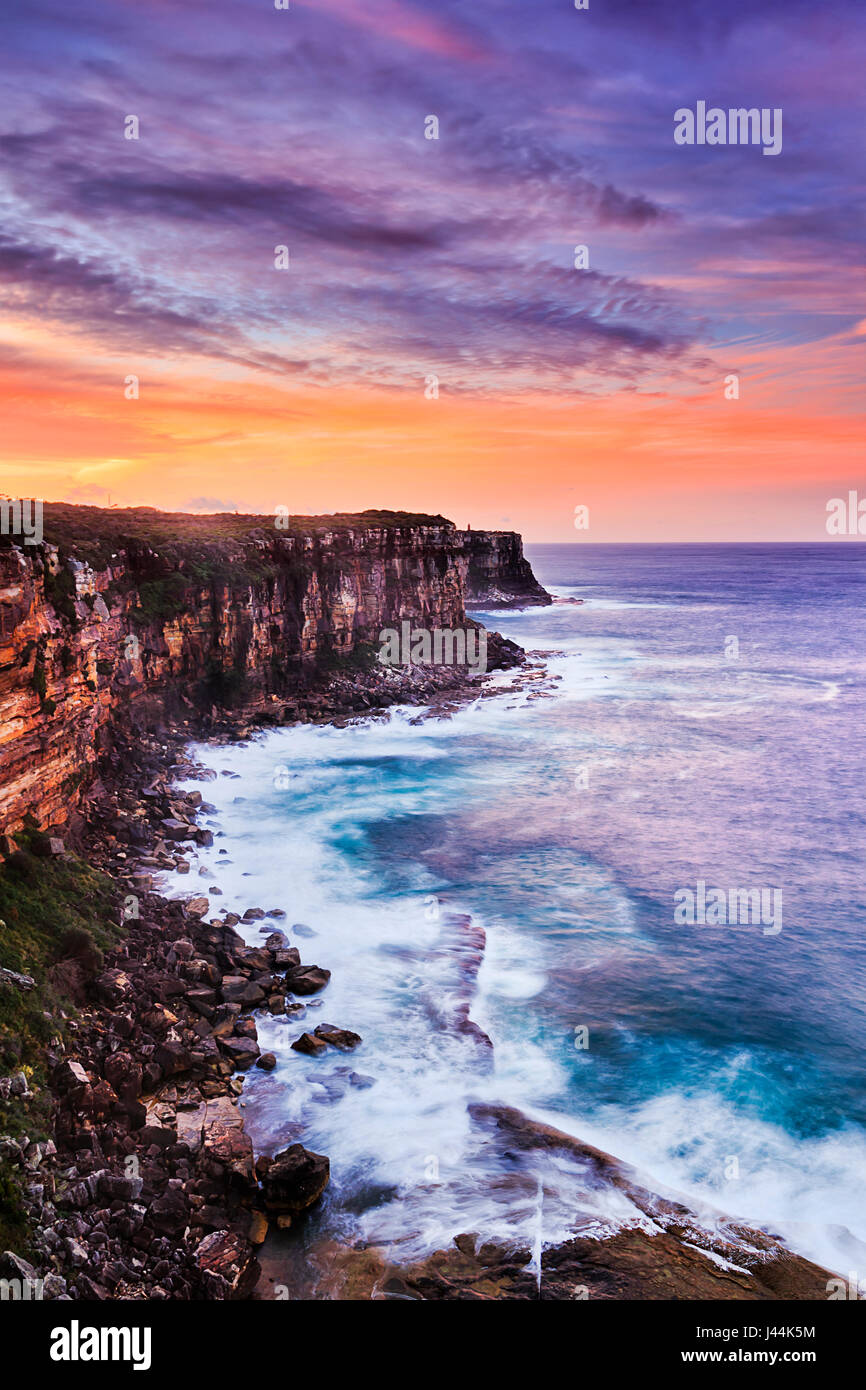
[724,1061]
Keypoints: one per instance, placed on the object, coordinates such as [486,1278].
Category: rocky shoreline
[149,1187]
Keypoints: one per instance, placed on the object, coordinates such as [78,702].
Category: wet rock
[310,1045]
[237,989]
[295,1179]
[286,958]
[307,979]
[267,1061]
[341,1038]
[258,1229]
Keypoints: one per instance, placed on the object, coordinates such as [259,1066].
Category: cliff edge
[160,616]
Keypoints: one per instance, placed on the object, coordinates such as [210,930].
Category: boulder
[124,1074]
[237,989]
[190,1124]
[286,957]
[173,1058]
[177,829]
[225,1142]
[341,1038]
[227,1264]
[113,987]
[242,1052]
[169,1213]
[310,1045]
[295,1179]
[115,1187]
[70,1076]
[307,979]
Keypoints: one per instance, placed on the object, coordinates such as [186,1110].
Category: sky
[432,345]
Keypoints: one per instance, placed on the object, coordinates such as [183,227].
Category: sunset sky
[453,258]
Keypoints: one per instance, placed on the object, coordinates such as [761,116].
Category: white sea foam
[299,841]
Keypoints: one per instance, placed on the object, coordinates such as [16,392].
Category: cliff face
[142,614]
[497,574]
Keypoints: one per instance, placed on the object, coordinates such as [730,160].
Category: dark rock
[175,829]
[173,1058]
[112,987]
[227,1265]
[242,1052]
[286,957]
[169,1213]
[307,979]
[341,1038]
[115,1187]
[309,1044]
[295,1179]
[124,1074]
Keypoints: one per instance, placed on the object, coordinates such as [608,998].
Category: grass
[96,534]
[52,911]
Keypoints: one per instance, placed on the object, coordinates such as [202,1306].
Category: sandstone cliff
[159,613]
[497,574]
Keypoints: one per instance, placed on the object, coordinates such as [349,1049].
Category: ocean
[707,728]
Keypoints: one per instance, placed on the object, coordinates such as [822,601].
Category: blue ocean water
[707,726]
